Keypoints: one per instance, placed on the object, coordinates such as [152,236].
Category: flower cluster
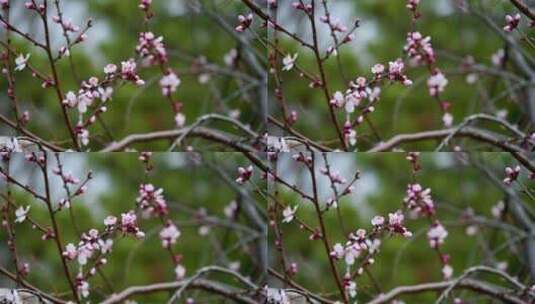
[412,5]
[512,22]
[289,61]
[357,244]
[169,234]
[90,90]
[276,145]
[21,214]
[419,48]
[298,5]
[244,174]
[395,72]
[419,200]
[169,83]
[288,213]
[91,244]
[129,224]
[395,224]
[151,200]
[67,25]
[436,83]
[32,5]
[144,5]
[358,90]
[436,235]
[245,23]
[334,23]
[511,175]
[128,72]
[151,49]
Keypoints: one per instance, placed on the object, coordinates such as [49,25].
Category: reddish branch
[323,229]
[524,9]
[57,235]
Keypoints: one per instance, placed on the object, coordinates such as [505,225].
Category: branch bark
[207,285]
[524,8]
[491,290]
[205,133]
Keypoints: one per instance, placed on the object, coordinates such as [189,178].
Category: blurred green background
[455,33]
[192,183]
[196,43]
[457,185]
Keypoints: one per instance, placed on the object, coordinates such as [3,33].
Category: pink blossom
[180,272]
[511,175]
[70,251]
[288,213]
[230,209]
[169,234]
[110,220]
[436,83]
[180,120]
[21,214]
[350,134]
[419,199]
[151,48]
[110,68]
[21,62]
[129,224]
[151,200]
[498,58]
[307,8]
[412,4]
[71,100]
[395,224]
[351,288]
[82,287]
[244,174]
[512,22]
[447,271]
[82,134]
[169,83]
[378,69]
[338,99]
[105,246]
[128,72]
[419,48]
[447,119]
[245,23]
[29,5]
[378,220]
[144,5]
[436,235]
[288,61]
[395,72]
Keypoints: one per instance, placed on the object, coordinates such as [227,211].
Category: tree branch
[524,9]
[205,133]
[470,284]
[202,284]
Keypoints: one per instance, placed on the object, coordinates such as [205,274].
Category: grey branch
[207,285]
[506,295]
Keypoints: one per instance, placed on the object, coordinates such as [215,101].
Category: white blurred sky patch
[347,13]
[346,164]
[74,163]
